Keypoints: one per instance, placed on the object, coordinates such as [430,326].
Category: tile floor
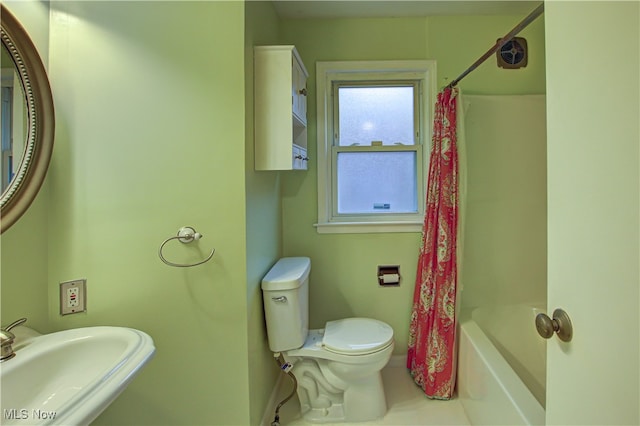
[406,403]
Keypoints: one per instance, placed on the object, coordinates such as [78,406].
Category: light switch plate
[73,297]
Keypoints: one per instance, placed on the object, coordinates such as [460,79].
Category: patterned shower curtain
[432,333]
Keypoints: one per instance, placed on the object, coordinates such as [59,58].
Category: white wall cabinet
[280,99]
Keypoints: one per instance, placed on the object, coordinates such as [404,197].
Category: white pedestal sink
[69,377]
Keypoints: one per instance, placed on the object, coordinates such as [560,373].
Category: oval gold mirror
[27,121]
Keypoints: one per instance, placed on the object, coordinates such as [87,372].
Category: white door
[592,60]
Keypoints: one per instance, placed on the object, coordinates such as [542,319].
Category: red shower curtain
[432,333]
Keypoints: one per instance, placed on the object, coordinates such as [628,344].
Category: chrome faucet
[7,338]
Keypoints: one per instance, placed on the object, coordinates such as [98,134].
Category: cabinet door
[295,158]
[304,161]
[299,80]
[280,108]
[299,158]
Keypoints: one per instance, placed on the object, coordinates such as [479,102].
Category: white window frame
[375,71]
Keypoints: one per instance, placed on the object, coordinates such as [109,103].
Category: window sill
[367,227]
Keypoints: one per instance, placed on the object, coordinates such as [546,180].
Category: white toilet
[338,367]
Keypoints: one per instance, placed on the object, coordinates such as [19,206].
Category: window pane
[368,114]
[377,182]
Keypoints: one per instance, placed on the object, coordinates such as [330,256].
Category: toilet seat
[356,336]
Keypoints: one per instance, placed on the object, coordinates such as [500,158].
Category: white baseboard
[267,418]
[398,361]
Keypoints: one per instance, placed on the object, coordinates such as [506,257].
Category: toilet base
[324,415]
[338,388]
[363,401]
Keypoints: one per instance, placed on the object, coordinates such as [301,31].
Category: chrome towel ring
[185,235]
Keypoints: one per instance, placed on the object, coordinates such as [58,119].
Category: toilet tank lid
[288,273]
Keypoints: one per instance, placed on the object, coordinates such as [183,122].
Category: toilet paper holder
[389,275]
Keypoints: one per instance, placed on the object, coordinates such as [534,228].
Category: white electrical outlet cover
[73,297]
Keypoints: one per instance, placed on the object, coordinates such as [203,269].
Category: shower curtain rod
[504,40]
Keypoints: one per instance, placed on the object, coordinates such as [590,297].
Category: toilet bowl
[353,377]
[338,367]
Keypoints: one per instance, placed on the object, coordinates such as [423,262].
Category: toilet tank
[285,294]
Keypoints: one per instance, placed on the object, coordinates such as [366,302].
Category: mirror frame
[24,187]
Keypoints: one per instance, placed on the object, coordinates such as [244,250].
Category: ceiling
[301,9]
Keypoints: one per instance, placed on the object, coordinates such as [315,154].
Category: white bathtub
[499,351]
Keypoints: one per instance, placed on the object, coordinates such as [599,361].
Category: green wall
[458,41]
[344,266]
[150,137]
[23,269]
[264,225]
[154,132]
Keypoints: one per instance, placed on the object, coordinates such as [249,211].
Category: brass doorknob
[560,324]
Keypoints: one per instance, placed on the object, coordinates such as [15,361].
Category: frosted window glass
[376,114]
[377,182]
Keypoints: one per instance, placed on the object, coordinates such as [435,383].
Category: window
[373,137]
